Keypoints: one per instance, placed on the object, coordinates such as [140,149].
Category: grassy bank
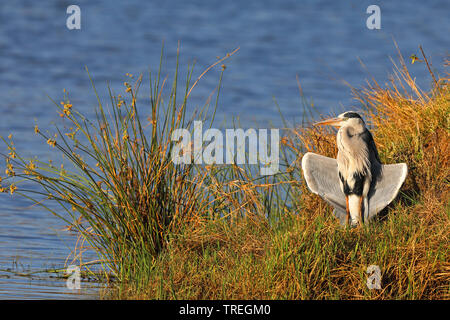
[165,231]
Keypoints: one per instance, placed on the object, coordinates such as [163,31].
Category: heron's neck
[353,155]
[353,129]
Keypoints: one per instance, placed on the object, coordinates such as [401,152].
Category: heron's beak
[335,122]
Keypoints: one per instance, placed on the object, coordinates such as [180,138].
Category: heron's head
[348,118]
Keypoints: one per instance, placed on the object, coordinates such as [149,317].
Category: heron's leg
[347,209]
[360,210]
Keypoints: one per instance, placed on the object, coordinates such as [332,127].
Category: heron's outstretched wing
[386,187]
[321,175]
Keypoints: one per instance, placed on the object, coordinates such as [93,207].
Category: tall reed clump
[121,191]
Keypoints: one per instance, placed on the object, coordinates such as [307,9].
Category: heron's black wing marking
[368,139]
[359,183]
[358,186]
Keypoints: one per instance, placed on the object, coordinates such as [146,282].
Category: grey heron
[356,183]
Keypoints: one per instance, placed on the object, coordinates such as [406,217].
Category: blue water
[321,42]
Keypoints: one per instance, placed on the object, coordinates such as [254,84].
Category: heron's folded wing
[321,175]
[386,187]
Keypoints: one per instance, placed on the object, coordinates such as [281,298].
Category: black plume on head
[352,114]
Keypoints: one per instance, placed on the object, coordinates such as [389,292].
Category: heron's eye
[345,119]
